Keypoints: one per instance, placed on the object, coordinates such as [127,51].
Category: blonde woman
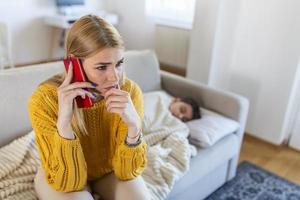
[100,148]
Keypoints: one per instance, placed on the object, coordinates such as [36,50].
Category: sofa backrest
[16,87]
[143,68]
[18,84]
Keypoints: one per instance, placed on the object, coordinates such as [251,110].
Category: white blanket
[168,155]
[19,162]
[169,151]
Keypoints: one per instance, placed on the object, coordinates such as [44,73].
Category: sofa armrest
[226,103]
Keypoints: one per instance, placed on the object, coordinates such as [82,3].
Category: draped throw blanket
[169,151]
[19,162]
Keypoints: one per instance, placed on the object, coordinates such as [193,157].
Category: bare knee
[82,195]
[110,187]
[135,189]
[45,192]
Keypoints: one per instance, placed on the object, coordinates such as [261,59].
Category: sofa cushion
[143,68]
[16,87]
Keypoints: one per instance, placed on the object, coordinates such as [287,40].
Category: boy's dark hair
[195,107]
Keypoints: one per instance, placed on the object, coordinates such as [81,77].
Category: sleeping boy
[185,109]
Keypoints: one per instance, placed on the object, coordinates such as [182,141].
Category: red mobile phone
[78,76]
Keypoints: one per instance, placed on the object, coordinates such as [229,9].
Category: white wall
[265,63]
[295,137]
[293,125]
[256,51]
[224,43]
[140,32]
[171,46]
[137,30]
[202,40]
[30,36]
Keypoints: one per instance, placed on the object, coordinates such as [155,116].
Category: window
[176,13]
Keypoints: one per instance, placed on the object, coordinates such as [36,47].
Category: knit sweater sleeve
[62,159]
[130,162]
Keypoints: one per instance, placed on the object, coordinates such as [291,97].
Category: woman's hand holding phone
[67,92]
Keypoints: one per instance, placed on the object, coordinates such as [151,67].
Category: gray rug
[255,183]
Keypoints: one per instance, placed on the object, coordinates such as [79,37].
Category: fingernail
[94,84]
[94,94]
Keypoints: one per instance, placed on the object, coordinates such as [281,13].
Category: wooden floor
[280,160]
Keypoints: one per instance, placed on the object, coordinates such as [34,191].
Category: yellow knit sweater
[70,163]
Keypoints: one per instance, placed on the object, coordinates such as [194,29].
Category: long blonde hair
[87,36]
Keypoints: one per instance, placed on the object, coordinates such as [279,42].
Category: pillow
[210,128]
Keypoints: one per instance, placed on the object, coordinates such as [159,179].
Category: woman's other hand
[119,101]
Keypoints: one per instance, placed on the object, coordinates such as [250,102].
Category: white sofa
[210,169]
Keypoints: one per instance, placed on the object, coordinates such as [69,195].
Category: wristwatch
[139,140]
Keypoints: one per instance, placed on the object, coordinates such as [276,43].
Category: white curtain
[294,141]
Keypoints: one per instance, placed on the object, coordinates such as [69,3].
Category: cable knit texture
[70,163]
